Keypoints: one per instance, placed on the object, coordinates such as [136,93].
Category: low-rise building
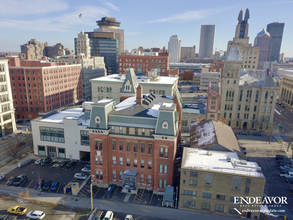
[211,181]
[286,88]
[120,86]
[206,77]
[192,112]
[196,79]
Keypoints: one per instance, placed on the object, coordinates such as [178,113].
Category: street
[285,116]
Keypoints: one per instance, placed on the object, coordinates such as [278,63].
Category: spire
[240,16]
[246,15]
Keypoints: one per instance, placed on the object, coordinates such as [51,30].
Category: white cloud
[189,16]
[24,7]
[60,23]
[132,33]
[114,7]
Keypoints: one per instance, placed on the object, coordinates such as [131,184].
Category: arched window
[266,97]
[272,97]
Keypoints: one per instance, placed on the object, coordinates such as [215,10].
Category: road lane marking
[151,199]
[23,182]
[29,184]
[97,192]
[59,187]
[104,195]
[115,192]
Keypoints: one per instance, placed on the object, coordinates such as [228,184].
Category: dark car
[11,180]
[280,157]
[55,185]
[289,180]
[40,184]
[256,134]
[19,180]
[291,188]
[71,164]
[282,105]
[64,163]
[244,133]
[47,185]
[111,190]
[46,161]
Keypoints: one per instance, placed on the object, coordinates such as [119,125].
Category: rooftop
[73,114]
[215,161]
[233,55]
[256,78]
[141,79]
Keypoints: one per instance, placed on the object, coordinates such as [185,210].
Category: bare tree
[272,129]
[290,136]
[12,150]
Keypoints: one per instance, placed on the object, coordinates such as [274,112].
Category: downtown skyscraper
[206,45]
[174,48]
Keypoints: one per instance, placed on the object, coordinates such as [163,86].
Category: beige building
[196,79]
[249,53]
[211,180]
[83,44]
[286,88]
[206,77]
[247,98]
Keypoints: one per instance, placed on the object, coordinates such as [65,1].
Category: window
[264,110]
[84,138]
[114,174]
[256,96]
[161,151]
[193,182]
[121,161]
[136,131]
[114,160]
[238,115]
[165,169]
[254,108]
[143,131]
[193,174]
[208,181]
[272,97]
[221,197]
[120,130]
[121,145]
[128,146]
[113,144]
[240,97]
[142,148]
[247,108]
[248,180]
[205,206]
[246,190]
[190,204]
[97,174]
[189,192]
[206,195]
[134,162]
[142,178]
[219,208]
[232,210]
[150,148]
[113,129]
[236,182]
[120,175]
[166,152]
[135,147]
[231,198]
[127,130]
[128,162]
[161,168]
[141,163]
[149,179]
[253,117]
[239,107]
[270,109]
[52,134]
[266,97]
[149,164]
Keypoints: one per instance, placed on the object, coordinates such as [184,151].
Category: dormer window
[165,125]
[127,86]
[98,119]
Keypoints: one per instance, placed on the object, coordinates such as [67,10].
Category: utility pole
[92,202]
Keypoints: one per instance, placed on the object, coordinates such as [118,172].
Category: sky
[146,23]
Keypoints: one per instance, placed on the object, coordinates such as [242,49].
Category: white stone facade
[174,48]
[206,77]
[7,117]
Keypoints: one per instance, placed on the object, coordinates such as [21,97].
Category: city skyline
[59,22]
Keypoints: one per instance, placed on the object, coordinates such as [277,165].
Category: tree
[272,129]
[290,136]
[12,150]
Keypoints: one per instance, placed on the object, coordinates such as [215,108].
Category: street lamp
[38,179]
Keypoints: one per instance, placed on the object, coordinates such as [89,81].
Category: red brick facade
[107,153]
[39,86]
[143,64]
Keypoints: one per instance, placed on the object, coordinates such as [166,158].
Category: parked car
[80,176]
[11,180]
[177,159]
[40,184]
[286,175]
[17,210]
[280,157]
[64,163]
[183,141]
[46,161]
[35,214]
[283,172]
[285,167]
[111,190]
[289,180]
[88,165]
[109,215]
[39,161]
[47,185]
[3,217]
[256,134]
[244,133]
[19,180]
[85,170]
[128,217]
[2,177]
[55,186]
[282,105]
[71,164]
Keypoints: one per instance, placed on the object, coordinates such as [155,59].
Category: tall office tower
[7,123]
[108,24]
[264,41]
[206,45]
[188,52]
[276,31]
[249,53]
[82,44]
[174,48]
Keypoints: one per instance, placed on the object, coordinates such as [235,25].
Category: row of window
[207,206]
[136,131]
[249,94]
[140,60]
[28,84]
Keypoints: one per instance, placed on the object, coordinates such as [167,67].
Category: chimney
[268,71]
[139,95]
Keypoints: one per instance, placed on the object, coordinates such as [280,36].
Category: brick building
[139,134]
[142,64]
[42,86]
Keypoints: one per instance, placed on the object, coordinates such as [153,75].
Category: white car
[128,217]
[85,170]
[39,161]
[80,176]
[35,214]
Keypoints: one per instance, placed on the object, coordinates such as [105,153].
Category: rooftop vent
[228,159]
[209,153]
[244,162]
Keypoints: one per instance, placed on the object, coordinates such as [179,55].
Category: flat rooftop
[120,79]
[216,161]
[73,114]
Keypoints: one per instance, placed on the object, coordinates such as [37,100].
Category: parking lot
[48,172]
[65,175]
